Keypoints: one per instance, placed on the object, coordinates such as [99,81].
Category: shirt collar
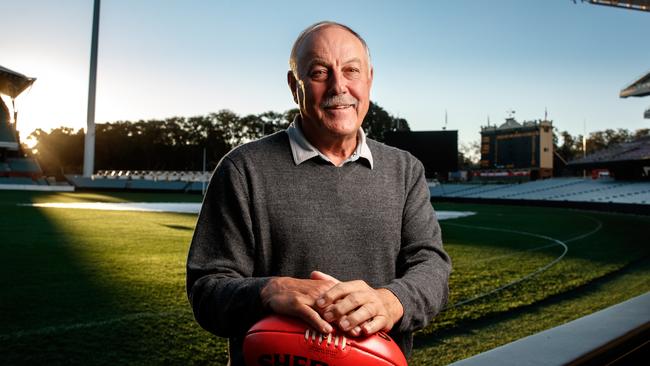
[302,150]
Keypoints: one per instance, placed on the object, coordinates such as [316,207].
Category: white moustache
[339,100]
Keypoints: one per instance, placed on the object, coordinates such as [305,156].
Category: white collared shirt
[302,150]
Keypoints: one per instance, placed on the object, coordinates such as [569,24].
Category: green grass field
[107,287]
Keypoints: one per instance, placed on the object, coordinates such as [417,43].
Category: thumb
[318,275]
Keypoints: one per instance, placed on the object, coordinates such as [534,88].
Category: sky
[471,60]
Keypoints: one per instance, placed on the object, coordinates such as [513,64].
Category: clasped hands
[323,301]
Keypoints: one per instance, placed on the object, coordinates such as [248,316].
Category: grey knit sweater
[265,216]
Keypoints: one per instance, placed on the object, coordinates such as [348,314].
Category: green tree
[60,151]
[641,133]
[175,143]
[377,122]
[469,155]
[570,148]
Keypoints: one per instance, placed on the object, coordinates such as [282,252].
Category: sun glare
[30,142]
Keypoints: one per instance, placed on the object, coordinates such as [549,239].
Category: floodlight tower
[89,142]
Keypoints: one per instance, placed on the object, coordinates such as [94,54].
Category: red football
[280,340]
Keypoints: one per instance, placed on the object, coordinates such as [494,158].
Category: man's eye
[352,73]
[319,74]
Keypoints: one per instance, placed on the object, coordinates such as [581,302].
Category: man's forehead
[324,40]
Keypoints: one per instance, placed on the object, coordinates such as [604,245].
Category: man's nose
[337,83]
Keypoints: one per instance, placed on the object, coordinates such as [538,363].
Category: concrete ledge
[584,341]
[631,208]
[35,187]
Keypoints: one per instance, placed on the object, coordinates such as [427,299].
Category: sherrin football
[280,340]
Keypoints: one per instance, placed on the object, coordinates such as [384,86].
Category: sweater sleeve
[224,294]
[423,266]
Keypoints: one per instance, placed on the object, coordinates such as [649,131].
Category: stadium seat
[24,165]
[17,180]
[556,189]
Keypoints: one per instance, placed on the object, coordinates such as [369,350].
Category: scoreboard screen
[437,150]
[517,152]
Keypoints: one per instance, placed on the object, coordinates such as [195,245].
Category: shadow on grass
[497,272]
[40,275]
[44,286]
[470,337]
[178,227]
[59,305]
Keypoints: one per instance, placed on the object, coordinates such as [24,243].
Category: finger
[356,331]
[312,318]
[375,325]
[318,275]
[340,291]
[300,306]
[358,317]
[331,313]
[345,306]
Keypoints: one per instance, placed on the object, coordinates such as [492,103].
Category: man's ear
[293,84]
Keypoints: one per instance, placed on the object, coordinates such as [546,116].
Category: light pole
[89,142]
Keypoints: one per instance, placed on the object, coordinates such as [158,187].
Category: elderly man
[319,222]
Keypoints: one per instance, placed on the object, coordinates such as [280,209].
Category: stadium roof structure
[643,5]
[639,88]
[627,160]
[13,83]
[638,150]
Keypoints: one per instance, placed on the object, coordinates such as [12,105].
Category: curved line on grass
[599,225]
[68,327]
[488,259]
[136,316]
[519,280]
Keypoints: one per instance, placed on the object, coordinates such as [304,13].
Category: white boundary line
[489,259]
[136,316]
[69,327]
[538,270]
[519,280]
[599,226]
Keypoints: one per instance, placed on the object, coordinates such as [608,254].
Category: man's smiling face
[334,80]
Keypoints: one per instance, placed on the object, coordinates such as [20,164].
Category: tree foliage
[469,155]
[572,148]
[377,122]
[175,143]
[59,151]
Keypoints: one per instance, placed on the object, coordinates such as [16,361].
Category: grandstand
[603,193]
[166,181]
[15,168]
[557,189]
[627,160]
[17,171]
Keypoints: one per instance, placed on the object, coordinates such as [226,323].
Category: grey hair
[293,62]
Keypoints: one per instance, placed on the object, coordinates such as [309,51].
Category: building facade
[517,149]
